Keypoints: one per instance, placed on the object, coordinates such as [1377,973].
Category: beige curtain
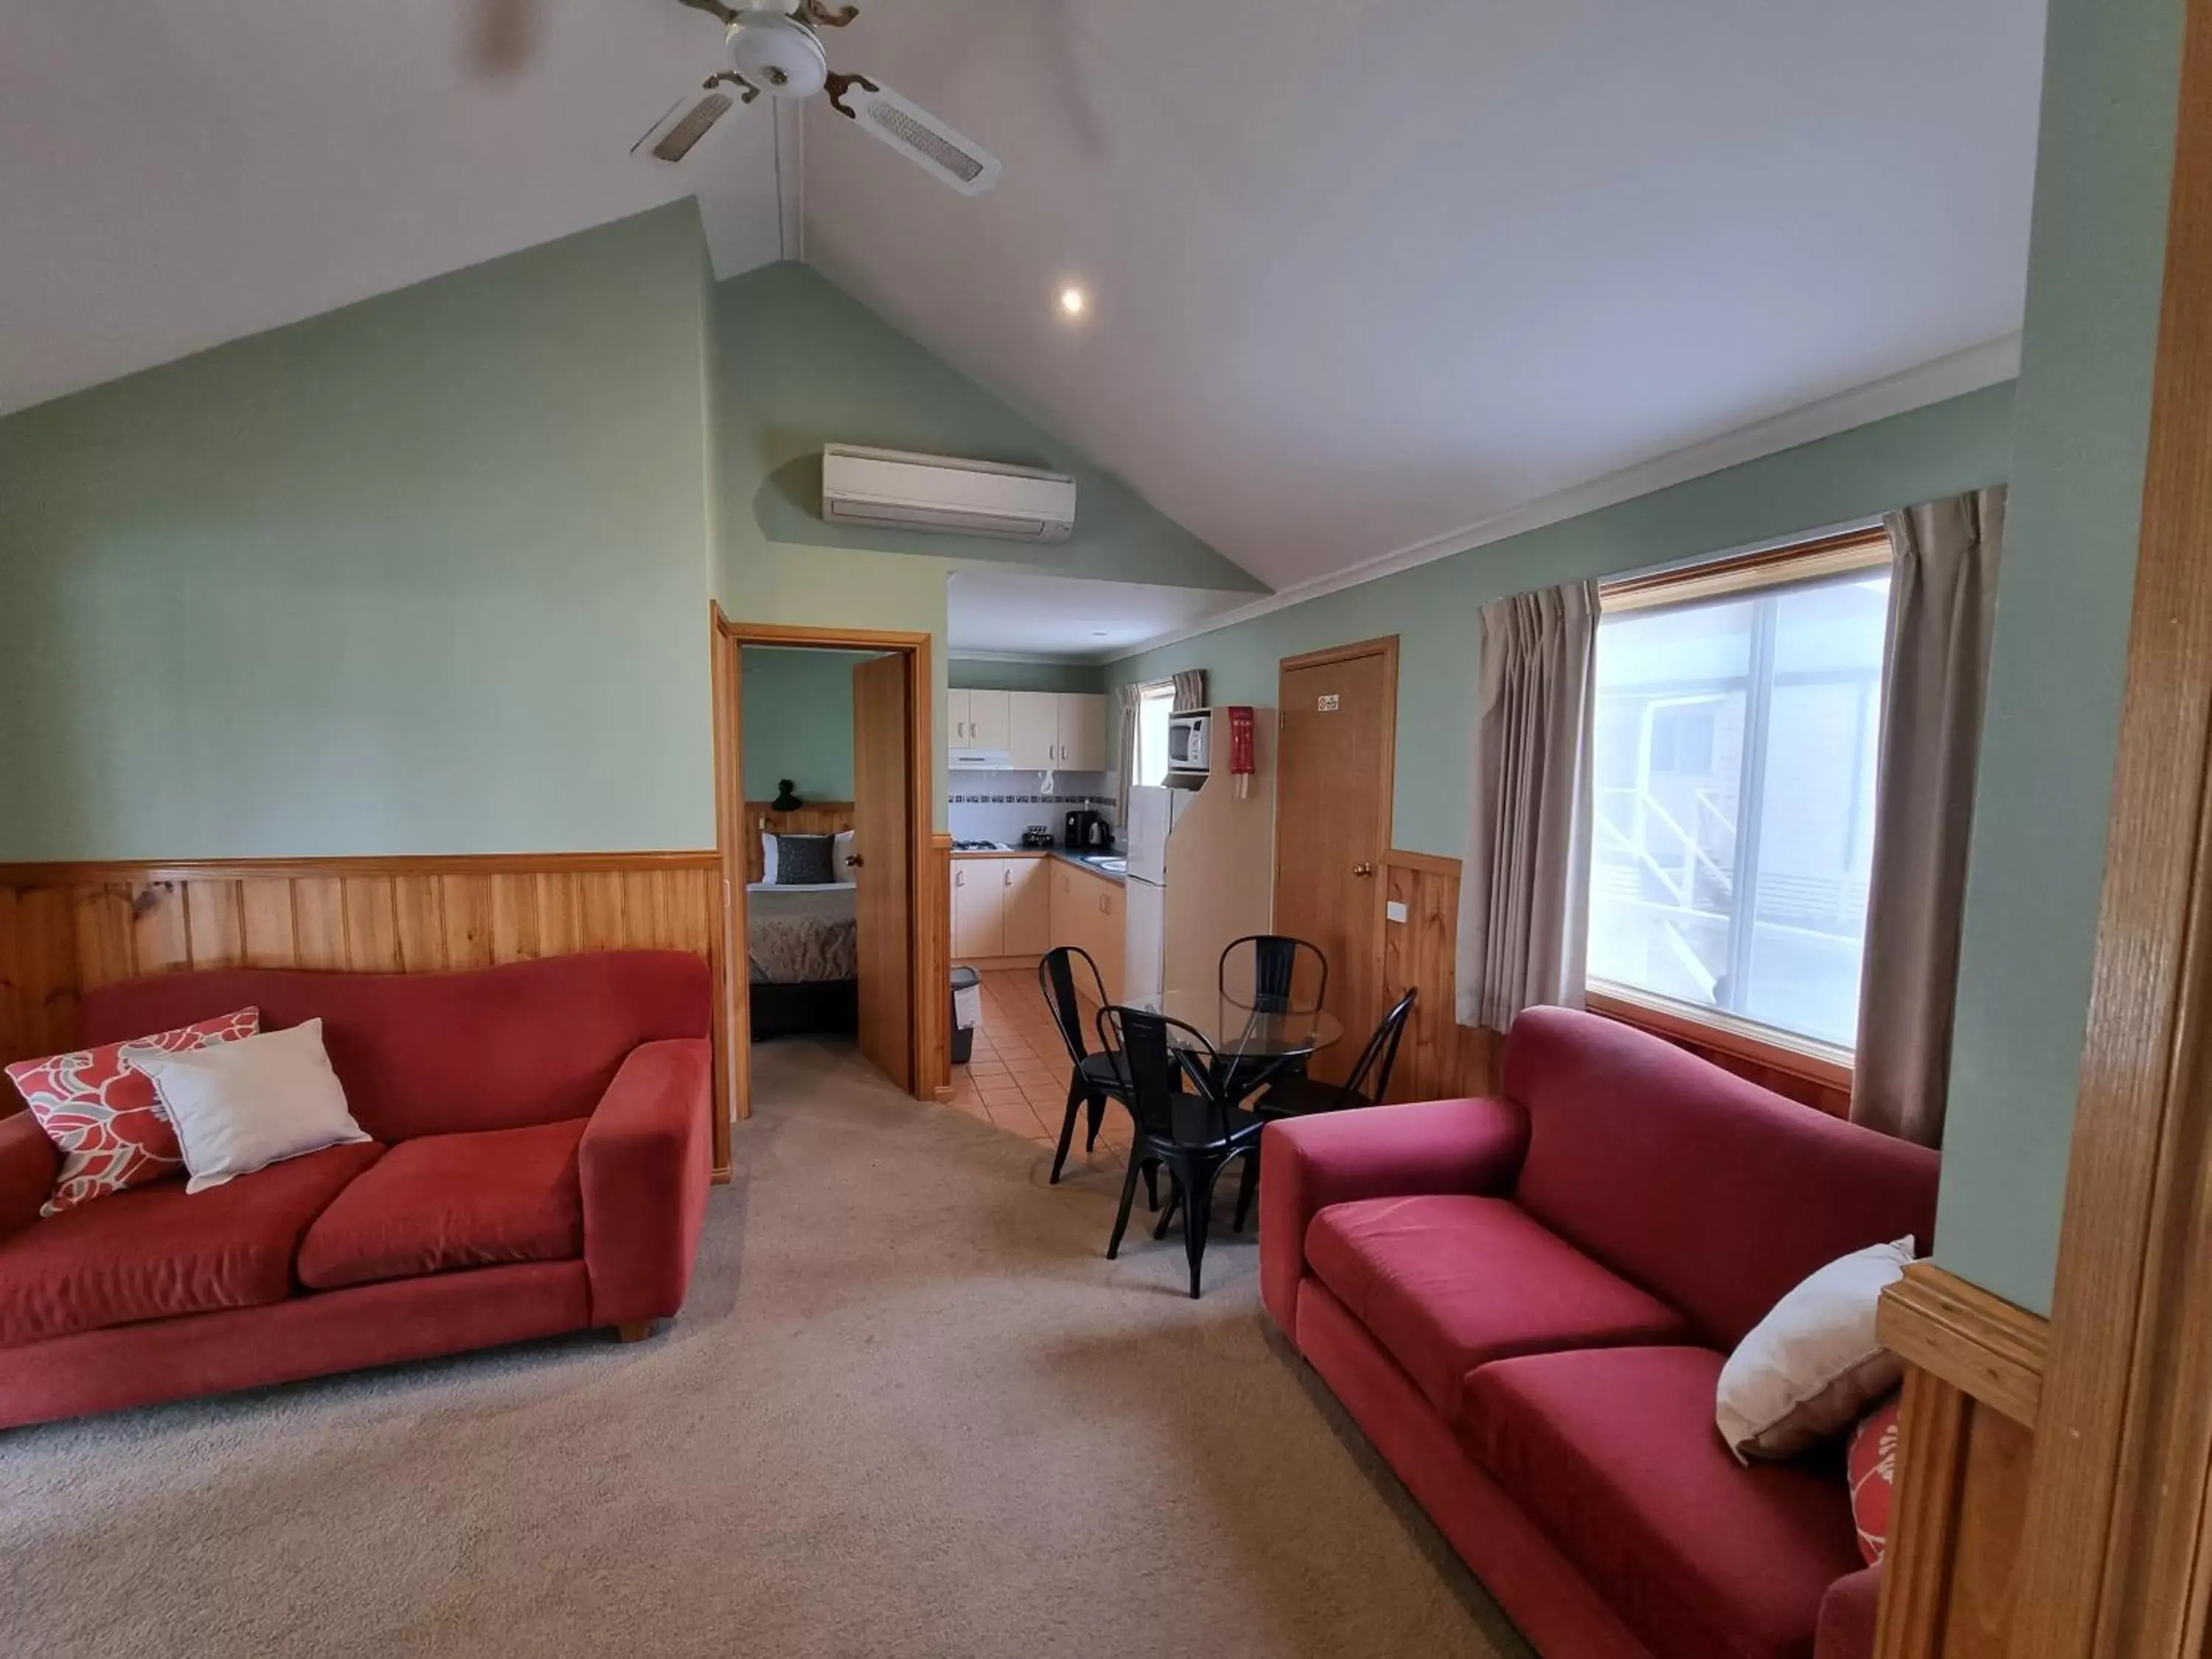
[1943,610]
[1524,890]
[1190,689]
[1129,698]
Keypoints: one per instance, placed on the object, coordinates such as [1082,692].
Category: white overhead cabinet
[1037,731]
[976,719]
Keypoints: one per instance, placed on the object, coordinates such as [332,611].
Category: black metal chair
[1190,1130]
[1094,1079]
[1276,958]
[1302,1097]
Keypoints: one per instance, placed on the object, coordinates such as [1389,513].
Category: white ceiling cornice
[1978,366]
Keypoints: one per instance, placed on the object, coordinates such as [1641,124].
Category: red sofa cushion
[437,1053]
[1710,1191]
[1447,1282]
[154,1253]
[445,1202]
[1613,1454]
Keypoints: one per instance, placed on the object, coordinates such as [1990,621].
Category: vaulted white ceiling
[1362,276]
[174,174]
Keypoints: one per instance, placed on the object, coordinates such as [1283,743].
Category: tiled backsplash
[999,806]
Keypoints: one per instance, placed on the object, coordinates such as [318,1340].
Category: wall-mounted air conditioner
[937,493]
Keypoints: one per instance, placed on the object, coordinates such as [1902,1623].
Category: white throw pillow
[768,857]
[1807,1370]
[840,849]
[244,1105]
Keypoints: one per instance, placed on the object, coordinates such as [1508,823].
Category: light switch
[1394,908]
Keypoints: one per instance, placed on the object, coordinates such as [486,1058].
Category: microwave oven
[1187,749]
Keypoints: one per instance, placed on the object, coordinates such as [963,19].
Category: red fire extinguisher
[1240,764]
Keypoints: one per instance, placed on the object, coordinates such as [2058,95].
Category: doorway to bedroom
[824,823]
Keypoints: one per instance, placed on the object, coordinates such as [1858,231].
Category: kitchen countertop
[1077,859]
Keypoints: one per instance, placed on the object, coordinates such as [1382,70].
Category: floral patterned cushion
[105,1117]
[1872,1465]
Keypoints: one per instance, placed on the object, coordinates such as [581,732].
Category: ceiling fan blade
[502,36]
[713,9]
[685,123]
[914,132]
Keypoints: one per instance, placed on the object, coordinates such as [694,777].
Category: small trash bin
[967,1012]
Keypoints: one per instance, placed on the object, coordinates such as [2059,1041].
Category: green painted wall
[2104,168]
[423,575]
[798,721]
[1936,451]
[980,675]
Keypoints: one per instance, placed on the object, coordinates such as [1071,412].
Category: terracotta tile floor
[1018,1078]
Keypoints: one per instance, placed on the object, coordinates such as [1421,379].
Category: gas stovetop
[979,846]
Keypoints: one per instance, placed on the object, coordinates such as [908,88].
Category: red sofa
[1525,1301]
[540,1163]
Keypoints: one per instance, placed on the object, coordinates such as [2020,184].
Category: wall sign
[1326,703]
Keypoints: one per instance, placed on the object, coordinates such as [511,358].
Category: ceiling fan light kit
[778,53]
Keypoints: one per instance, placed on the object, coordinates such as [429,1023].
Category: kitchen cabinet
[1088,912]
[1034,730]
[1081,718]
[977,720]
[1001,907]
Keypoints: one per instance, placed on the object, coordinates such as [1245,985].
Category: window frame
[1706,581]
[1148,690]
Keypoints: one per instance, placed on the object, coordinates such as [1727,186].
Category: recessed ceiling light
[1098,633]
[1073,302]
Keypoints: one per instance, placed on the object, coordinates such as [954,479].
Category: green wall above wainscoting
[975,674]
[425,575]
[798,721]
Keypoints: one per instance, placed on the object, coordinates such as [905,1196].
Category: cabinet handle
[1005,878]
[959,878]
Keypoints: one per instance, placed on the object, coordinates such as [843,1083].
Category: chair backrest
[1056,978]
[1279,964]
[1371,1076]
[1163,1054]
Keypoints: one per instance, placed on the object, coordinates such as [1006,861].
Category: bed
[802,959]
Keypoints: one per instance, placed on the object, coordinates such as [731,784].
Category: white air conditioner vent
[939,493]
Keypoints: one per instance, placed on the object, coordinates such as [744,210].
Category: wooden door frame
[2116,1557]
[733,1012]
[1385,646]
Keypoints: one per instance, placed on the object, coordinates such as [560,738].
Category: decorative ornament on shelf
[786,799]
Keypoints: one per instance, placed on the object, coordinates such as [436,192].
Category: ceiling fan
[777,50]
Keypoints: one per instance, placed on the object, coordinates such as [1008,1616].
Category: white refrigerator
[1153,812]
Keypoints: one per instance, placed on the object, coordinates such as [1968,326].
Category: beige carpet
[911,1410]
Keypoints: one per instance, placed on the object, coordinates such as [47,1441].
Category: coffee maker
[1088,831]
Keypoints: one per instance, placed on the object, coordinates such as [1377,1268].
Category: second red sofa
[1525,1301]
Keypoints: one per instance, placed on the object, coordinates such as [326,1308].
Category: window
[1156,703]
[1739,711]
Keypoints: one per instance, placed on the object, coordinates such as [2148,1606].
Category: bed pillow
[802,861]
[1809,1369]
[768,856]
[840,849]
[105,1117]
[247,1105]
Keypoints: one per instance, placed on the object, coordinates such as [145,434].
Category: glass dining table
[1252,1043]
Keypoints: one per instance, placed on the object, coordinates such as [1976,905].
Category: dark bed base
[827,1007]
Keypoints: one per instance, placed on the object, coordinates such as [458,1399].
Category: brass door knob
[1363,871]
[854,860]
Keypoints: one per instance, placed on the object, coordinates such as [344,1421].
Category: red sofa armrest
[1384,1152]
[28,1163]
[1848,1613]
[644,1163]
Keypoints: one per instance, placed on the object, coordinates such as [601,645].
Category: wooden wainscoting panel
[65,929]
[820,817]
[1438,1059]
[1973,1339]
[1954,1559]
